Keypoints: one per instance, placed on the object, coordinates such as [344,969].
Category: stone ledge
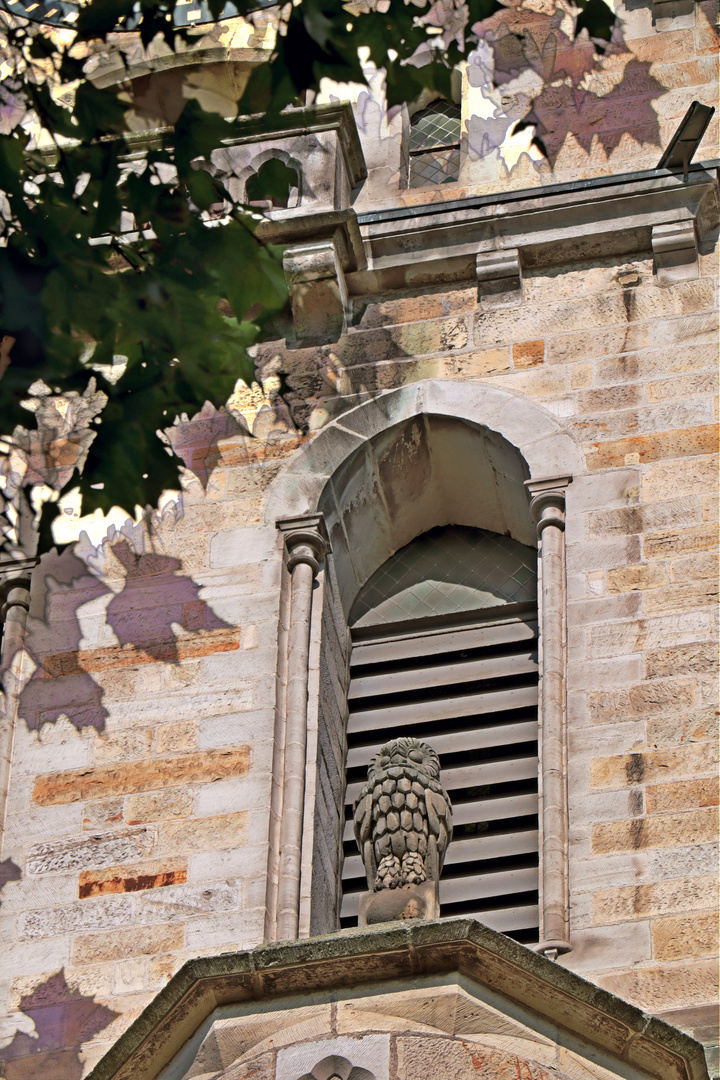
[549,226]
[577,1010]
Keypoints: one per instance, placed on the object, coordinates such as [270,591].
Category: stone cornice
[546,226]
[577,1010]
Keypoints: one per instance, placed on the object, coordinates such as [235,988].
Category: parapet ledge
[544,995]
[493,238]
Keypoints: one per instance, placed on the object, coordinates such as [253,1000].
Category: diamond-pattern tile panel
[444,571]
[438,125]
[434,167]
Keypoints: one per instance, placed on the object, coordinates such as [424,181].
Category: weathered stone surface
[183,648]
[527,354]
[698,594]
[105,849]
[482,362]
[52,922]
[640,576]
[684,795]
[176,738]
[137,941]
[690,476]
[665,830]
[669,389]
[660,631]
[694,567]
[684,659]
[648,699]
[146,775]
[102,814]
[412,308]
[122,746]
[119,879]
[679,727]
[418,1056]
[653,447]
[203,834]
[673,542]
[657,898]
[658,988]
[176,904]
[685,936]
[158,806]
[639,519]
[644,767]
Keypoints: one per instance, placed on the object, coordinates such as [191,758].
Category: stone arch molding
[243,173]
[434,453]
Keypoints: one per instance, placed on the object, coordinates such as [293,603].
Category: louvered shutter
[470,689]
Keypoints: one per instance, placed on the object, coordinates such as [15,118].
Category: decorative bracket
[675,247]
[499,275]
[318,293]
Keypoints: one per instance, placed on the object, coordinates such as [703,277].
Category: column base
[406,902]
[553,948]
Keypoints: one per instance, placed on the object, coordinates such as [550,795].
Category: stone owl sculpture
[403,816]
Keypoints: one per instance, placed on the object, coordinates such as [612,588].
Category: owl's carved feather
[403,817]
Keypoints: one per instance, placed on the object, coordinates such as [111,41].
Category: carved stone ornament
[403,825]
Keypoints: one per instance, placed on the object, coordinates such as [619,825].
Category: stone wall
[139,801]
[139,810]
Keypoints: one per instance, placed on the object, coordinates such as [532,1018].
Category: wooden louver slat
[471,691]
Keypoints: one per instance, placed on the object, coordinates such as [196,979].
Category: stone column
[306,545]
[547,507]
[14,606]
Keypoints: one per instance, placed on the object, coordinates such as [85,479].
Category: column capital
[15,585]
[306,540]
[547,501]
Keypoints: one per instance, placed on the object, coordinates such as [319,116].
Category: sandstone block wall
[139,811]
[139,804]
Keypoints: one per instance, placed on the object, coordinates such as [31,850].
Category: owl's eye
[416,755]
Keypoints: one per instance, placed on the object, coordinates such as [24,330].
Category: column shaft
[548,510]
[295,751]
[13,619]
[305,547]
[554,780]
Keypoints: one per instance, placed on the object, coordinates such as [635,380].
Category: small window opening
[275,186]
[435,145]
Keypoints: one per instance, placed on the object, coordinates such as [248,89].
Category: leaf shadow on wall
[526,43]
[154,596]
[9,871]
[64,1019]
[59,684]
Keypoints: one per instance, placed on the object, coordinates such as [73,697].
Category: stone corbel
[675,248]
[318,293]
[499,276]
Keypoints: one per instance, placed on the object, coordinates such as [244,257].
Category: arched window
[435,145]
[444,647]
[275,186]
